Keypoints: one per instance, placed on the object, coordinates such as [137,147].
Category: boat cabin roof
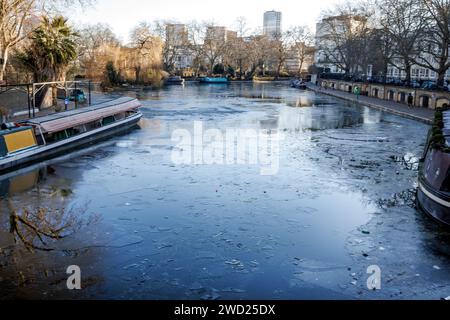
[13,130]
[68,119]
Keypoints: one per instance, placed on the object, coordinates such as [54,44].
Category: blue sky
[123,15]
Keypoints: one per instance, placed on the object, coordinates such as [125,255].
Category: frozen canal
[141,226]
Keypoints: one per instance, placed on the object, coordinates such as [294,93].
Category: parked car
[395,82]
[446,86]
[415,84]
[77,95]
[429,85]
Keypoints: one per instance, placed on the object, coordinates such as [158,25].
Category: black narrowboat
[433,195]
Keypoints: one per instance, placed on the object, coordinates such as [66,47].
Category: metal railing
[27,99]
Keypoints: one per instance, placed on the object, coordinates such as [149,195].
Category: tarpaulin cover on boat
[69,119]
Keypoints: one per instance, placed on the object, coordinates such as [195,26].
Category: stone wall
[14,100]
[422,98]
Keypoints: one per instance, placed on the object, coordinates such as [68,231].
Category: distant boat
[40,138]
[175,80]
[209,80]
[263,79]
[299,84]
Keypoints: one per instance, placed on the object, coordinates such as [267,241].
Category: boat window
[120,116]
[57,136]
[74,131]
[80,129]
[93,125]
[108,120]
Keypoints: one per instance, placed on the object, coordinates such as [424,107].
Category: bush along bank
[437,137]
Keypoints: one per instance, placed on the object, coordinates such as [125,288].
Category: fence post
[29,100]
[34,102]
[76,96]
[90,92]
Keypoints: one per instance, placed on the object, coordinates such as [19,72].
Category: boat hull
[178,82]
[175,83]
[433,205]
[433,197]
[40,153]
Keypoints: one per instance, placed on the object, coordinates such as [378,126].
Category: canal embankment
[423,115]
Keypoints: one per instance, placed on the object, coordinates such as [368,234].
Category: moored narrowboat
[299,84]
[433,195]
[209,80]
[175,80]
[41,138]
[263,79]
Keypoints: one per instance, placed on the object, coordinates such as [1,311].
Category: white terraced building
[324,49]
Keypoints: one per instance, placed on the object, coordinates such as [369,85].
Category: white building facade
[331,27]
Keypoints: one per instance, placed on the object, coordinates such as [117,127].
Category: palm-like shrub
[52,48]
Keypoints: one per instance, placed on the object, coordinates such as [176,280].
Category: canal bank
[419,114]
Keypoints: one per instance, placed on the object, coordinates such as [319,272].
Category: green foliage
[52,49]
[112,77]
[219,69]
[437,139]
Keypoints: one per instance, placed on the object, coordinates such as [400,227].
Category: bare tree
[379,52]
[300,41]
[214,44]
[146,50]
[238,47]
[404,23]
[16,23]
[435,42]
[13,16]
[260,54]
[237,55]
[196,36]
[241,27]
[175,42]
[279,52]
[96,46]
[342,34]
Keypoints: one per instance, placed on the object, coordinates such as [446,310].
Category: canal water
[143,226]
